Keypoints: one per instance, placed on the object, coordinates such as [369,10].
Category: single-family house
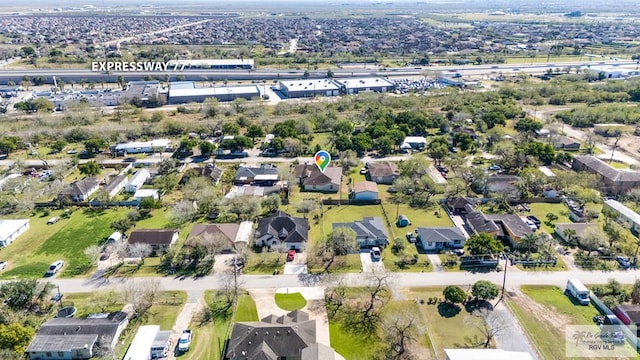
[458,205]
[116,185]
[149,343]
[415,142]
[282,228]
[572,231]
[370,231]
[562,142]
[437,238]
[465,130]
[382,172]
[160,240]
[486,354]
[225,236]
[138,179]
[479,222]
[611,180]
[277,337]
[146,193]
[365,191]
[80,190]
[625,216]
[10,229]
[510,227]
[629,314]
[264,175]
[250,190]
[311,178]
[210,171]
[77,338]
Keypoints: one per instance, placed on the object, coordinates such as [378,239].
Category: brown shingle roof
[365,186]
[383,168]
[152,237]
[229,231]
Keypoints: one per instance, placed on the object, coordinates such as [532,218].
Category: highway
[271,74]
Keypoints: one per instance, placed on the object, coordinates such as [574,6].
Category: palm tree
[529,242]
[569,235]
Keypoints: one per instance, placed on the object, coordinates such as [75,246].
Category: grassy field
[30,255]
[560,266]
[290,302]
[418,218]
[392,262]
[544,313]
[446,328]
[265,263]
[351,346]
[85,302]
[246,309]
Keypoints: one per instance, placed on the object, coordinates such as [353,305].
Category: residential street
[514,280]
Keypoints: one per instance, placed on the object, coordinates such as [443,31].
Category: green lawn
[418,218]
[548,336]
[540,210]
[30,255]
[149,268]
[290,302]
[351,346]
[619,165]
[560,266]
[165,311]
[264,263]
[85,302]
[246,309]
[392,262]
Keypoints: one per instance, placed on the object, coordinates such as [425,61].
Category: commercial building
[214,64]
[368,84]
[11,229]
[186,91]
[309,88]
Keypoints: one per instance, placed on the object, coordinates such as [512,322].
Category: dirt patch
[539,311]
[628,143]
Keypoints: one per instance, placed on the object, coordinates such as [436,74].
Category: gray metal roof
[369,227]
[623,210]
[162,339]
[63,343]
[439,234]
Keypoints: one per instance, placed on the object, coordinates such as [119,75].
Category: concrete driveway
[297,266]
[370,266]
[315,308]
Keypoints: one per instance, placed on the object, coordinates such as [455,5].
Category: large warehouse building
[309,88]
[186,91]
[370,84]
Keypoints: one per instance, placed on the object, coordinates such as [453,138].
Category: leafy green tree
[254,131]
[494,118]
[463,141]
[483,243]
[344,240]
[8,145]
[484,290]
[231,128]
[122,225]
[206,147]
[454,294]
[43,104]
[90,169]
[58,145]
[344,127]
[24,295]
[438,148]
[343,143]
[272,202]
[384,145]
[94,145]
[362,143]
[528,125]
[15,337]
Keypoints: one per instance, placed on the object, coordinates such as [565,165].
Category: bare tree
[140,250]
[399,330]
[377,295]
[231,285]
[490,326]
[335,298]
[141,295]
[214,243]
[182,212]
[104,299]
[245,207]
[120,249]
[93,252]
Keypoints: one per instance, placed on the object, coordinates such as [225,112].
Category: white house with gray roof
[370,231]
[626,216]
[436,238]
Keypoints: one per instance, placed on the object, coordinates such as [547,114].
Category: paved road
[514,280]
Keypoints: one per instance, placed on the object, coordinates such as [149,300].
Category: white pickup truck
[185,341]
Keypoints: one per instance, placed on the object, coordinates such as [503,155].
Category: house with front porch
[439,238]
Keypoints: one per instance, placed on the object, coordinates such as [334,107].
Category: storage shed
[403,221]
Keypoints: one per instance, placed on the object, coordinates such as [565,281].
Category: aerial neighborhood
[303,181]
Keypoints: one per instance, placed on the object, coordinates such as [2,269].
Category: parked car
[494,167]
[535,220]
[185,341]
[53,220]
[375,253]
[411,237]
[291,255]
[623,261]
[3,265]
[55,267]
[458,252]
[363,171]
[392,190]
